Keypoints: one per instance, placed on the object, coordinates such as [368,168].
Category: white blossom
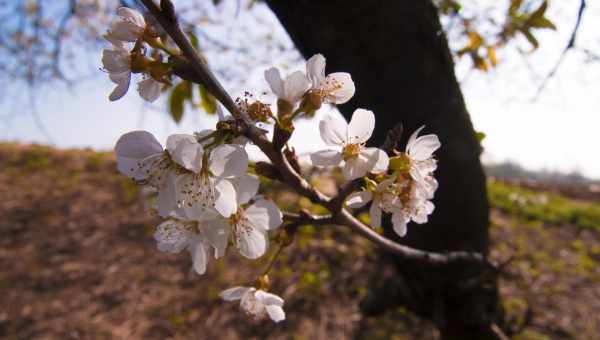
[130,25]
[248,226]
[255,303]
[384,197]
[290,89]
[117,62]
[173,236]
[335,88]
[349,141]
[209,187]
[141,157]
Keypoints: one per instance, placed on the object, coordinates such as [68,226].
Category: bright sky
[557,131]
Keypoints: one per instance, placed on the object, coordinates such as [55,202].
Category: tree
[400,57]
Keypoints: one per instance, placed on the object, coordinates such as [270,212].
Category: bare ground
[78,260]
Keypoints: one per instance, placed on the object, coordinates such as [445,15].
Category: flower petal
[188,154]
[268,298]
[132,149]
[122,80]
[132,15]
[356,167]
[375,215]
[326,158]
[333,130]
[273,77]
[295,85]
[235,293]
[166,200]
[217,234]
[361,126]
[378,160]
[339,87]
[315,69]
[399,222]
[228,160]
[174,140]
[199,256]
[421,148]
[172,236]
[276,313]
[359,199]
[149,89]
[264,215]
[225,202]
[252,242]
[246,187]
[115,61]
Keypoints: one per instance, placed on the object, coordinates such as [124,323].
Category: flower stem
[273,259]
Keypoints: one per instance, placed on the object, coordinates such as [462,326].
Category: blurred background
[77,255]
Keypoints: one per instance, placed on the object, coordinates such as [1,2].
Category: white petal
[132,15]
[359,199]
[138,145]
[246,187]
[326,158]
[122,85]
[166,200]
[315,69]
[149,89]
[273,77]
[276,313]
[264,214]
[132,149]
[172,236]
[217,234]
[423,211]
[295,85]
[268,298]
[421,148]
[225,203]
[174,140]
[378,160]
[188,154]
[339,87]
[115,61]
[228,160]
[375,215]
[399,223]
[356,167]
[235,293]
[333,130]
[199,256]
[361,126]
[251,242]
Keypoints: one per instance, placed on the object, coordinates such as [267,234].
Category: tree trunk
[399,59]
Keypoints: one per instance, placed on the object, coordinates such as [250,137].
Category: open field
[78,260]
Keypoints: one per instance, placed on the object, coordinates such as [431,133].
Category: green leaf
[179,95]
[208,102]
[539,12]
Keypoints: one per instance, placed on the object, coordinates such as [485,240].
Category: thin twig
[570,45]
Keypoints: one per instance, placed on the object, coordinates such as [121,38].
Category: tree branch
[165,15]
[570,45]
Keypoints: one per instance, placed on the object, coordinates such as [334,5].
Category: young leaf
[208,102]
[180,93]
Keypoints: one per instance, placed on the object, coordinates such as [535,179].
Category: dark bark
[398,56]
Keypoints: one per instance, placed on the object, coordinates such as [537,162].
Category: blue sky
[557,131]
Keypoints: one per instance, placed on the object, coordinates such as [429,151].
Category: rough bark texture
[398,56]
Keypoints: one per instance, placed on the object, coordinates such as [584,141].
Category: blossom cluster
[120,61]
[205,191]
